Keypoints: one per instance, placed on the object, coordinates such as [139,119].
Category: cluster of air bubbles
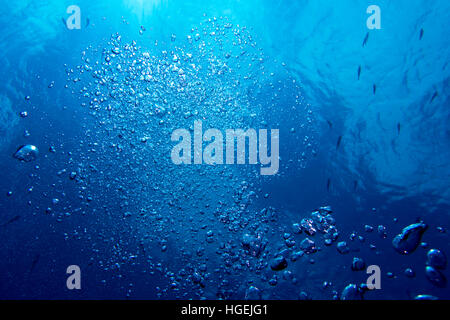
[211,220]
[321,222]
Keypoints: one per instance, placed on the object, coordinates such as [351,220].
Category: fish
[365,39]
[14,219]
[330,124]
[421,34]
[434,96]
[328,184]
[355,185]
[398,128]
[338,143]
[87,22]
[64,21]
[35,262]
[359,72]
[374,89]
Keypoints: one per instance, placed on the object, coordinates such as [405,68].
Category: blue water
[102,102]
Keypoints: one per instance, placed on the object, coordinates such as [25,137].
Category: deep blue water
[363,117]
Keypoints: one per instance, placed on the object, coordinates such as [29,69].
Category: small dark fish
[365,39]
[374,89]
[421,34]
[35,262]
[328,184]
[330,124]
[14,219]
[434,97]
[359,72]
[355,185]
[87,22]
[338,143]
[64,21]
[398,128]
